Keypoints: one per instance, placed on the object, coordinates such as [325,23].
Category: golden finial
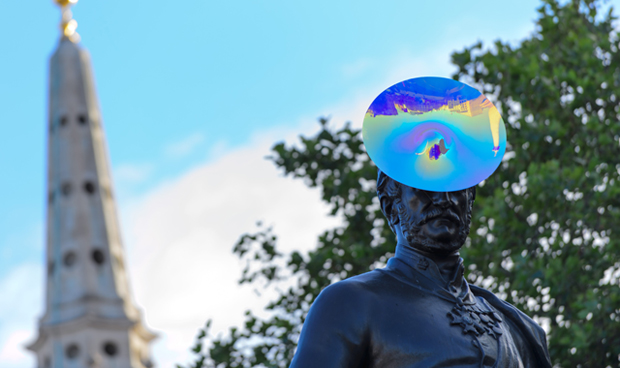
[68,25]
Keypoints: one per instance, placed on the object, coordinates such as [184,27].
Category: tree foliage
[545,222]
[336,162]
[543,226]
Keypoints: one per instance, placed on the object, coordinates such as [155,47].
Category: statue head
[433,222]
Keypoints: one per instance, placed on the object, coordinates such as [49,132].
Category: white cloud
[184,146]
[13,351]
[21,287]
[180,238]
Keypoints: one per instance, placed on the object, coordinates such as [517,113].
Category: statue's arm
[335,332]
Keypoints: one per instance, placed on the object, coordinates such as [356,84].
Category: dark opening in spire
[98,256]
[66,188]
[110,348]
[72,351]
[69,259]
[89,187]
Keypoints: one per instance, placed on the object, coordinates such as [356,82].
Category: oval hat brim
[435,134]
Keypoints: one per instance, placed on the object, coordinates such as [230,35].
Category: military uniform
[407,315]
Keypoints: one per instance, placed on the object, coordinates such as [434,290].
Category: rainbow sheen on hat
[435,134]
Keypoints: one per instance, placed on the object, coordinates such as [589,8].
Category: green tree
[338,164]
[543,224]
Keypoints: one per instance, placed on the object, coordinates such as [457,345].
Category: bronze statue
[419,311]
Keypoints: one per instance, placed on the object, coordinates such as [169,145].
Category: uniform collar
[424,265]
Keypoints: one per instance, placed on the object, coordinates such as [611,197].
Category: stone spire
[89,320]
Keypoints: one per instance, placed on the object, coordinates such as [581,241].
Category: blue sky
[184,85]
[224,70]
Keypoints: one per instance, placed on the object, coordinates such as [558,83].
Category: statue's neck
[449,266]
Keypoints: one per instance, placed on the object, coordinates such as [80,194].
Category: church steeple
[89,320]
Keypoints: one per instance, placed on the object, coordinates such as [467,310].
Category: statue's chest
[427,331]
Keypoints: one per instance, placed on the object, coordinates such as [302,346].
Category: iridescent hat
[435,134]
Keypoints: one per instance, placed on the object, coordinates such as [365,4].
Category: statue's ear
[394,218]
[390,213]
[386,206]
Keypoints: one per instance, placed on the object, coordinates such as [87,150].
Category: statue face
[434,222]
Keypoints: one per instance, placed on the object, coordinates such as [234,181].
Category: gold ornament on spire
[65,2]
[68,25]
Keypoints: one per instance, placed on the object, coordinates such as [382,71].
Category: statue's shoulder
[344,308]
[361,289]
[337,327]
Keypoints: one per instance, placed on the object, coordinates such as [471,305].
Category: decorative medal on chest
[476,321]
